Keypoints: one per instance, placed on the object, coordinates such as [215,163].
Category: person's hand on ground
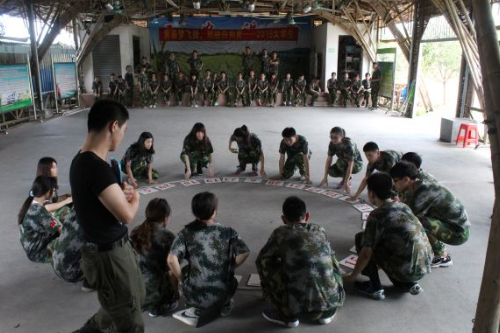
[324,181]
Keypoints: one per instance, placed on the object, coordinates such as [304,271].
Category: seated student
[143,81]
[112,86]
[38,229]
[97,89]
[349,159]
[223,89]
[314,90]
[345,87]
[129,85]
[366,89]
[393,240]
[378,160]
[121,90]
[166,89]
[154,85]
[416,160]
[152,241]
[197,152]
[249,150]
[193,93]
[214,101]
[205,88]
[299,271]
[332,87]
[298,154]
[252,87]
[287,90]
[443,216]
[211,252]
[240,91]
[356,89]
[181,84]
[262,90]
[58,206]
[273,90]
[138,160]
[300,90]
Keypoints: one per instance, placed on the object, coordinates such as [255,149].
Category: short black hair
[404,169]
[294,209]
[204,205]
[105,111]
[338,131]
[414,158]
[380,184]
[370,146]
[288,132]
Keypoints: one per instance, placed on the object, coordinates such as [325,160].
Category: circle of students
[84,234]
[246,88]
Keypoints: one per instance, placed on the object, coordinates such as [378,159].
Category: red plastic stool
[468,134]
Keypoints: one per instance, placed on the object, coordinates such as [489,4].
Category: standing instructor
[103,207]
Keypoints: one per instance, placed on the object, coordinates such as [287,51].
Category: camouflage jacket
[264,64]
[195,65]
[222,84]
[385,162]
[262,85]
[252,82]
[240,85]
[302,255]
[193,147]
[206,83]
[273,66]
[254,145]
[346,84]
[134,156]
[332,85]
[209,253]
[301,85]
[356,85]
[166,84]
[287,84]
[143,81]
[173,68]
[153,85]
[37,231]
[399,242]
[346,150]
[366,84]
[273,85]
[300,147]
[247,61]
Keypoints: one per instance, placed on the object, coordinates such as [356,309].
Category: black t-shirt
[89,175]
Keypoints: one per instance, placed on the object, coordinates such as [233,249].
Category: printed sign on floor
[188,183]
[296,186]
[315,190]
[147,190]
[332,194]
[253,180]
[212,180]
[275,183]
[163,187]
[349,262]
[362,207]
[230,180]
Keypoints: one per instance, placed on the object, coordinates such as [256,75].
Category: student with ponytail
[138,160]
[38,228]
[249,150]
[152,242]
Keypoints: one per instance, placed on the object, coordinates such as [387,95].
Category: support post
[34,52]
[465,90]
[488,306]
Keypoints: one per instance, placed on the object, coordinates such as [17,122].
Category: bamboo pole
[488,308]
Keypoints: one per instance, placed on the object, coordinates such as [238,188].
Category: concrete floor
[35,300]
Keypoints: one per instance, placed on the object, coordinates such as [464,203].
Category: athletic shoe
[255,173]
[416,289]
[153,314]
[189,316]
[301,178]
[199,169]
[439,261]
[227,308]
[274,317]
[366,288]
[85,287]
[340,185]
[327,317]
[88,328]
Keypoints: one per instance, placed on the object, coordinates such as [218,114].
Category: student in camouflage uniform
[211,252]
[154,85]
[240,92]
[152,241]
[262,90]
[223,89]
[195,64]
[393,240]
[247,61]
[332,87]
[274,64]
[121,90]
[181,84]
[348,162]
[287,90]
[112,87]
[314,90]
[249,150]
[252,87]
[298,270]
[298,154]
[416,160]
[381,161]
[97,89]
[300,90]
[38,228]
[345,88]
[138,160]
[273,90]
[67,251]
[172,66]
[375,84]
[443,216]
[366,89]
[206,88]
[215,94]
[194,90]
[129,83]
[264,63]
[197,152]
[356,90]
[166,89]
[143,81]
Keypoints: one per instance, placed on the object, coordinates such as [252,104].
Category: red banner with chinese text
[192,35]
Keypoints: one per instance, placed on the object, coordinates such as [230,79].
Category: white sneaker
[187,316]
[416,289]
[274,317]
[327,318]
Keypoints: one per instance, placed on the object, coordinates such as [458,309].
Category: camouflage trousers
[314,97]
[251,157]
[355,97]
[129,97]
[195,161]
[166,98]
[145,98]
[440,233]
[193,294]
[153,99]
[241,97]
[61,213]
[345,96]
[274,288]
[339,168]
[375,96]
[122,98]
[227,96]
[263,96]
[288,96]
[159,294]
[366,95]
[179,95]
[251,96]
[140,170]
[194,99]
[293,163]
[273,98]
[332,96]
[207,97]
[300,97]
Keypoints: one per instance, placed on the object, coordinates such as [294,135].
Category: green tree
[442,60]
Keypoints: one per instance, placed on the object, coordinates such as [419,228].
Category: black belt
[92,247]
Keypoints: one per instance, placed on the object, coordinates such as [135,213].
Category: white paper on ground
[315,190]
[332,194]
[364,208]
[275,183]
[230,180]
[147,190]
[296,186]
[364,216]
[254,280]
[238,278]
[344,198]
[212,180]
[253,180]
[163,187]
[188,183]
[350,261]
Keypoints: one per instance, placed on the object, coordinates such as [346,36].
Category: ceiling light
[307,9]
[197,5]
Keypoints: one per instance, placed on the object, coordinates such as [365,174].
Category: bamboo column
[488,307]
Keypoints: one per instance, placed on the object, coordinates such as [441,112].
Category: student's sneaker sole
[186,319]
[442,262]
[270,316]
[416,290]
[366,289]
[153,315]
[327,320]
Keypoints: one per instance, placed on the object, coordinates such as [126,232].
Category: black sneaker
[274,317]
[88,327]
[199,169]
[367,289]
[439,261]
